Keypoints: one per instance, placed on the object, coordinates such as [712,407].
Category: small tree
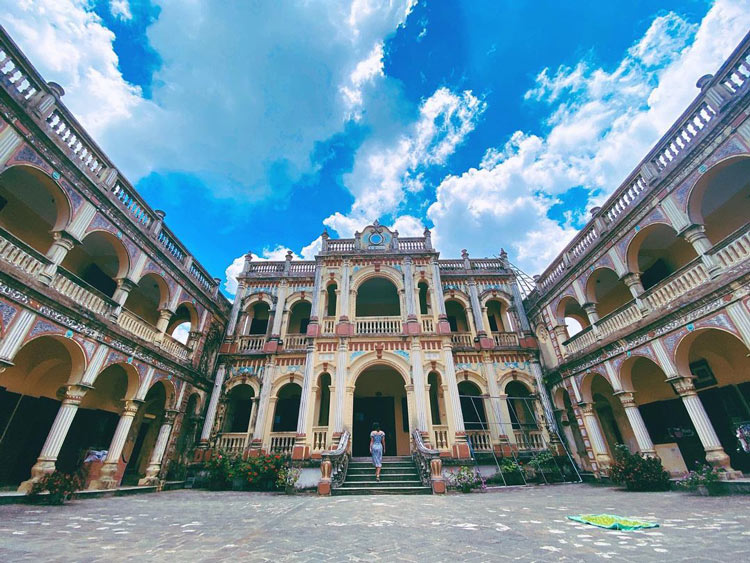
[637,472]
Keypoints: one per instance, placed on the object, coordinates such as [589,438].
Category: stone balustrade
[529,440]
[19,255]
[505,339]
[378,325]
[283,442]
[295,342]
[320,435]
[136,325]
[462,339]
[480,440]
[232,443]
[440,433]
[175,347]
[252,343]
[329,326]
[428,324]
[678,284]
[82,293]
[733,249]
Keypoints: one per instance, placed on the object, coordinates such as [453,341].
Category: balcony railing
[480,440]
[505,339]
[580,340]
[428,324]
[320,434]
[378,325]
[440,433]
[462,339]
[19,255]
[232,442]
[620,318]
[283,442]
[175,347]
[678,284]
[529,440]
[252,343]
[733,249]
[88,297]
[136,325]
[329,326]
[295,342]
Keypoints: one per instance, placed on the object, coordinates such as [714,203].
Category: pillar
[253,421]
[340,384]
[549,413]
[234,315]
[497,429]
[124,287]
[633,281]
[278,316]
[595,434]
[593,316]
[301,448]
[437,290]
[213,403]
[696,236]
[62,244]
[455,416]
[165,315]
[343,326]
[313,328]
[269,371]
[154,465]
[108,476]
[417,372]
[14,337]
[73,395]
[645,445]
[715,454]
[476,310]
[412,326]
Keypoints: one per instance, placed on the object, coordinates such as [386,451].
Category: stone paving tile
[526,524]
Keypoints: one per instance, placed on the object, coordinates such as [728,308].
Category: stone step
[382,491]
[383,477]
[361,465]
[384,469]
[373,484]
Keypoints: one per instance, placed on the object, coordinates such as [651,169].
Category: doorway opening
[380,396]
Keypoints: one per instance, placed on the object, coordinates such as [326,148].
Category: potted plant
[541,461]
[60,486]
[466,479]
[702,480]
[287,478]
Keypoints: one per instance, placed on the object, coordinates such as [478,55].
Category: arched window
[299,317]
[146,298]
[259,318]
[182,322]
[331,300]
[497,315]
[607,290]
[239,408]
[456,316]
[424,305]
[98,261]
[377,297]
[472,406]
[520,406]
[325,399]
[433,380]
[572,315]
[657,252]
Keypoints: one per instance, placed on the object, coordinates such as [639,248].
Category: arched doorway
[475,416]
[143,433]
[286,412]
[380,396]
[239,408]
[521,407]
[569,423]
[299,317]
[29,401]
[720,365]
[610,412]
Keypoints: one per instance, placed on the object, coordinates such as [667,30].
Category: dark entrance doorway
[366,411]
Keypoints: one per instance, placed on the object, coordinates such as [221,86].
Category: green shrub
[702,475]
[262,471]
[465,479]
[60,486]
[542,460]
[637,472]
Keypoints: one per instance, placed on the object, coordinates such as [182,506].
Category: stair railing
[428,462]
[334,465]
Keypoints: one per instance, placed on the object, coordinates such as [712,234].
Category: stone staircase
[398,476]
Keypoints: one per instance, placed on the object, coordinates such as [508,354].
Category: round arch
[605,288]
[718,200]
[370,360]
[148,297]
[100,260]
[377,295]
[242,380]
[656,252]
[570,314]
[369,272]
[586,385]
[170,391]
[35,205]
[472,377]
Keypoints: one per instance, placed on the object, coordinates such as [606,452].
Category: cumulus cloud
[121,9]
[385,169]
[242,94]
[601,123]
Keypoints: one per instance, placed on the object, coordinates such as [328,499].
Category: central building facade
[377,329]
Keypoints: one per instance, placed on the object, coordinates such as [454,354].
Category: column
[549,413]
[476,309]
[696,236]
[455,415]
[417,372]
[234,315]
[412,325]
[715,454]
[165,315]
[213,403]
[343,327]
[62,244]
[496,429]
[595,433]
[11,344]
[627,398]
[593,315]
[437,291]
[108,476]
[301,449]
[124,287]
[633,281]
[263,403]
[278,316]
[154,465]
[253,421]
[46,462]
[313,328]
[338,411]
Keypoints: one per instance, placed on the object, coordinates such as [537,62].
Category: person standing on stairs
[377,446]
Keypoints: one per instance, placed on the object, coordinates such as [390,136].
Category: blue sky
[494,123]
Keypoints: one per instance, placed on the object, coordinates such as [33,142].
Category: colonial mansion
[116,344]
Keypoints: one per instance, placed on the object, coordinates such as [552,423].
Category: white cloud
[385,169]
[604,123]
[121,9]
[244,90]
[69,45]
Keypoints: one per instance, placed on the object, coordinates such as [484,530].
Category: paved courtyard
[525,524]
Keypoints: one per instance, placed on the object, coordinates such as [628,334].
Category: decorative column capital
[165,314]
[589,308]
[586,408]
[65,239]
[170,415]
[627,398]
[693,232]
[130,407]
[73,394]
[683,385]
[631,279]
